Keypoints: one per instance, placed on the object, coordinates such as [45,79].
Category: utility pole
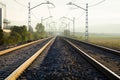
[69,26]
[29,12]
[29,16]
[73,21]
[73,26]
[86,19]
[41,20]
[50,29]
[3,8]
[86,28]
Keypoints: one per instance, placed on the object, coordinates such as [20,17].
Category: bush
[1,36]
[19,34]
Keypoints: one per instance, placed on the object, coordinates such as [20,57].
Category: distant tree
[40,31]
[40,28]
[1,36]
[22,30]
[30,29]
[30,35]
[24,33]
[67,32]
[16,37]
[36,35]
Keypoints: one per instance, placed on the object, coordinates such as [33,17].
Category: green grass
[110,42]
[107,41]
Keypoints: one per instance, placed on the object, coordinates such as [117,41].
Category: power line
[93,4]
[97,3]
[49,11]
[34,15]
[20,3]
[83,2]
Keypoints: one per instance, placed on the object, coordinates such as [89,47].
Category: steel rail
[110,74]
[18,47]
[15,74]
[116,52]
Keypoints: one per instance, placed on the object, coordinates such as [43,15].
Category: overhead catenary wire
[90,4]
[86,19]
[34,15]
[49,11]
[25,6]
[97,3]
[20,4]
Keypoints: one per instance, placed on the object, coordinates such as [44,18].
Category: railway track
[19,47]
[10,61]
[108,57]
[63,59]
[61,62]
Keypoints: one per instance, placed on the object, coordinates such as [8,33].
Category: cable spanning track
[34,15]
[20,3]
[97,3]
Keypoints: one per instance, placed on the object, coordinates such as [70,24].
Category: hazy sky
[103,18]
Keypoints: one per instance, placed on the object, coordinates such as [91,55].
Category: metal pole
[73,26]
[46,29]
[86,28]
[29,16]
[66,30]
[69,26]
[41,20]
[49,29]
[5,24]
